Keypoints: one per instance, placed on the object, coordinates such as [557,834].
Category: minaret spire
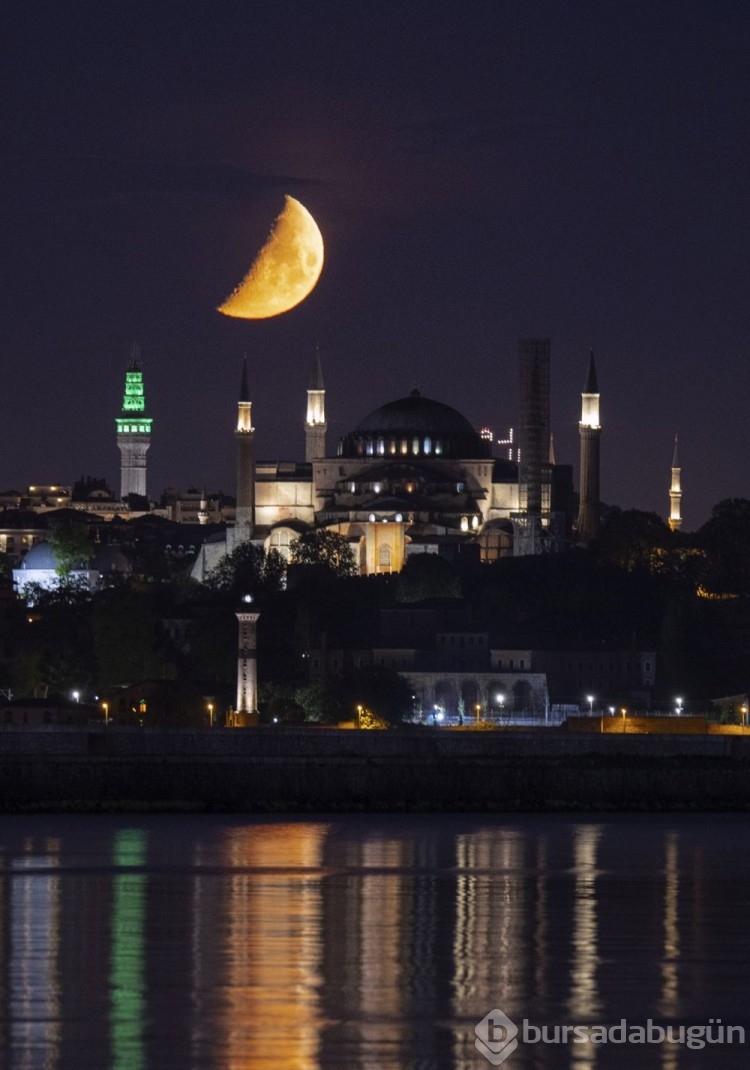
[133,431]
[589,431]
[675,493]
[245,436]
[315,424]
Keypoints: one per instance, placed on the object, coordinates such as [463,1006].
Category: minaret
[315,424]
[589,430]
[245,435]
[675,493]
[133,432]
[247,666]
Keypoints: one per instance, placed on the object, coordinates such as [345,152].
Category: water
[367,942]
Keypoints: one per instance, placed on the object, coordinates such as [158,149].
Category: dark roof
[417,417]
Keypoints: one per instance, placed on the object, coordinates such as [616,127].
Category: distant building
[39,567]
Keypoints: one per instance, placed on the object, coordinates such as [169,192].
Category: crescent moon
[285,270]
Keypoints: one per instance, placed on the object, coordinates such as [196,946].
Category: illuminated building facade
[133,434]
[414,476]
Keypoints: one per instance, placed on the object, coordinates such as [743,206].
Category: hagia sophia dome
[417,426]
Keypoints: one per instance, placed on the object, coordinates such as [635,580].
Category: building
[413,476]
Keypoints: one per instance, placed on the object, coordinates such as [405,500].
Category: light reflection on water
[365,942]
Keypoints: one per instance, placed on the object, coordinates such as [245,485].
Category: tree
[324,547]
[380,690]
[725,538]
[248,569]
[71,546]
[427,576]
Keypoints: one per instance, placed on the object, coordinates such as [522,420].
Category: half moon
[284,272]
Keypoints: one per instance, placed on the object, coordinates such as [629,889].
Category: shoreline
[266,771]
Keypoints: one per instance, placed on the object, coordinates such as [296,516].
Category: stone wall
[421,769]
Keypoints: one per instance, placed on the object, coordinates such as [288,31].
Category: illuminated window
[428,445]
[384,558]
[415,446]
[381,446]
[404,446]
[464,523]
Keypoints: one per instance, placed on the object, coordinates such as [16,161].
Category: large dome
[418,426]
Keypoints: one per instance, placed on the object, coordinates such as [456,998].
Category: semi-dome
[416,426]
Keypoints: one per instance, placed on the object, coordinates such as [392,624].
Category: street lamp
[359,716]
[679,706]
[623,711]
[501,703]
[590,700]
[105,707]
[743,711]
[76,696]
[210,715]
[477,708]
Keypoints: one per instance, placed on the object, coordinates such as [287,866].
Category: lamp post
[623,711]
[210,715]
[105,707]
[679,706]
[359,716]
[76,696]
[501,703]
[477,708]
[590,700]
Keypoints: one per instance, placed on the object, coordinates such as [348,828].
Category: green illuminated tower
[133,433]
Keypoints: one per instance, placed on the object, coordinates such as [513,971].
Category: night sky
[481,172]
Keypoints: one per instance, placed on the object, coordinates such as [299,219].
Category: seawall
[308,770]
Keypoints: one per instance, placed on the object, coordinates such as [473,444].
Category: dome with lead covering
[415,426]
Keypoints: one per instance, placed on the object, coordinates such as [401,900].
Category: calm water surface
[367,942]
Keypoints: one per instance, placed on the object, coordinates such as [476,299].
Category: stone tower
[133,432]
[315,424]
[675,493]
[245,436]
[246,712]
[589,430]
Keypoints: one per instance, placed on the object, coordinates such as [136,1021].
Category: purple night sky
[481,172]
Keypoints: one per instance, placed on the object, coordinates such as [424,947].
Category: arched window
[428,445]
[279,540]
[415,446]
[381,446]
[384,559]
